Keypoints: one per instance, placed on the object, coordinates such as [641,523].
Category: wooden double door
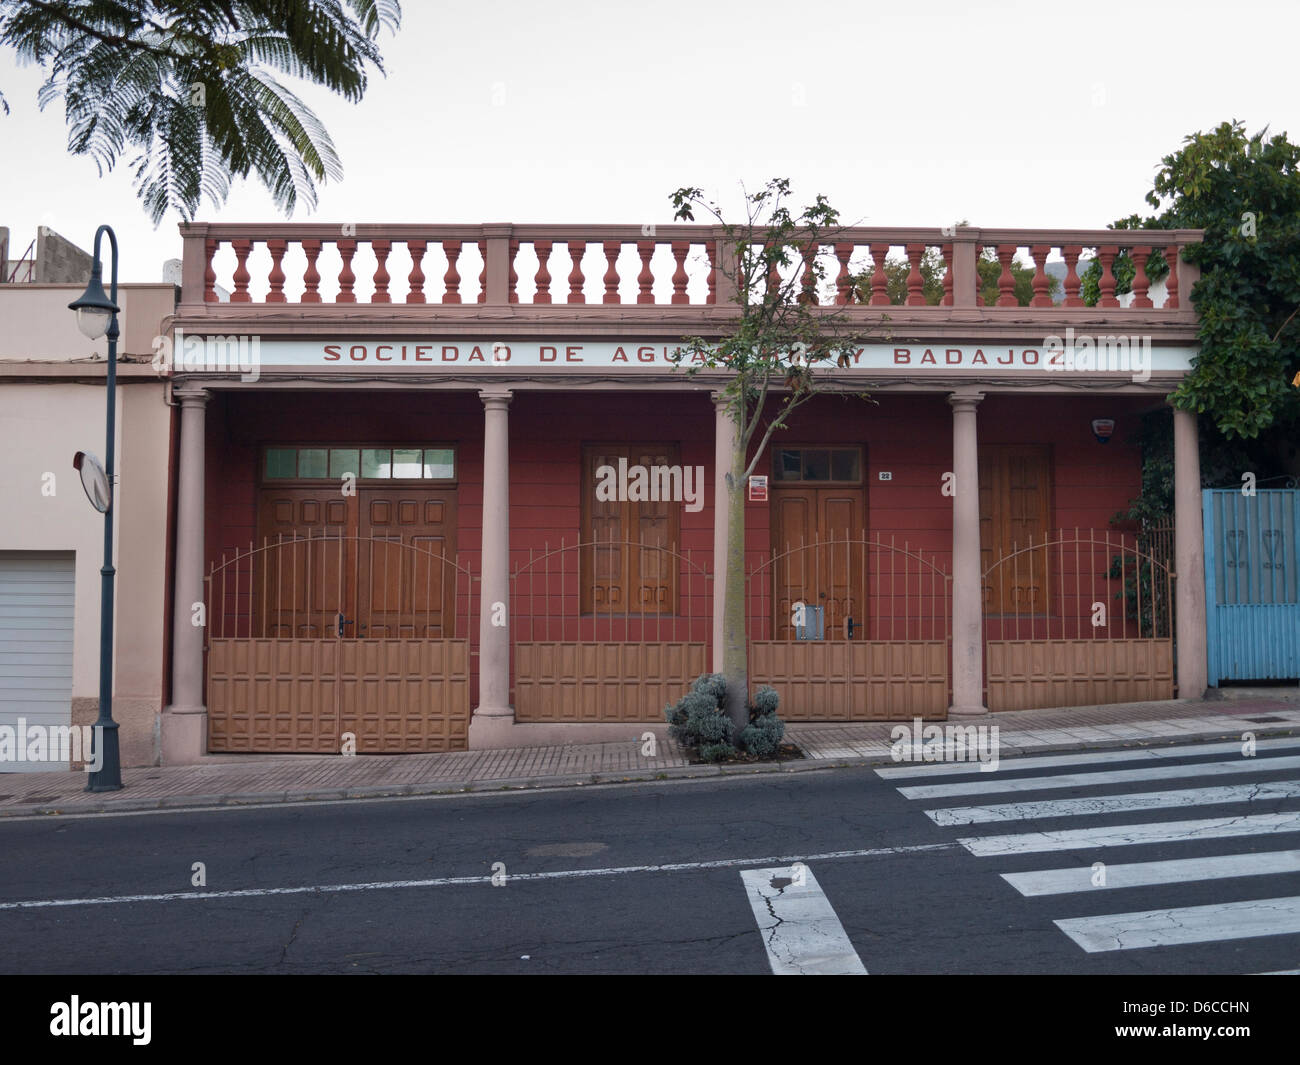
[817,541]
[378,564]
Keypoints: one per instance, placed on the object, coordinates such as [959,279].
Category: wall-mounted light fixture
[1103,428]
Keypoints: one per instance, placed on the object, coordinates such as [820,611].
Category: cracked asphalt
[935,909]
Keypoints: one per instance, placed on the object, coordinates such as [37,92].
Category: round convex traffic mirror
[94,480]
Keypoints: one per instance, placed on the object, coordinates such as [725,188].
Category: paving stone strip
[243,779]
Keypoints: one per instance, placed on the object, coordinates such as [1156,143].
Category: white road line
[1111,804]
[802,935]
[1087,780]
[1186,924]
[1051,761]
[1146,874]
[1127,835]
[446,881]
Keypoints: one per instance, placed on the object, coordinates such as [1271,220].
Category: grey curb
[572,780]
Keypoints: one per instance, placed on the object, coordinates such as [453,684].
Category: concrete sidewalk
[232,780]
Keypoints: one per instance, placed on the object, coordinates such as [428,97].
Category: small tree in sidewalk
[785,341]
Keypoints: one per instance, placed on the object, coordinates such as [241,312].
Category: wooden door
[1015,493]
[401,592]
[618,578]
[344,580]
[817,534]
[302,592]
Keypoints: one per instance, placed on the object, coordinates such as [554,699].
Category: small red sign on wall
[758,489]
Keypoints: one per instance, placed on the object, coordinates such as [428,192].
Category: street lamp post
[97,317]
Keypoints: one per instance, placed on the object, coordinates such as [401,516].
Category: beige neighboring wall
[52,404]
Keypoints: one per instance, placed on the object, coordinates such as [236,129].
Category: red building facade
[410,510]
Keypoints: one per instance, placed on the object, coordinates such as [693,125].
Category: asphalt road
[910,897]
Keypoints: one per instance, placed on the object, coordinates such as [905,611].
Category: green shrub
[714,684]
[762,736]
[699,720]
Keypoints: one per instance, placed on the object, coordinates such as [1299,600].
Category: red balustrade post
[879,282]
[210,271]
[1171,280]
[577,249]
[843,282]
[1042,293]
[808,281]
[1006,279]
[1141,283]
[482,274]
[347,248]
[645,280]
[276,276]
[915,282]
[1107,255]
[612,249]
[451,279]
[415,281]
[680,249]
[513,295]
[241,276]
[311,276]
[543,278]
[948,277]
[711,251]
[1070,253]
[1188,273]
[381,249]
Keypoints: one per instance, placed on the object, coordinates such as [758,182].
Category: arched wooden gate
[314,640]
[608,631]
[851,629]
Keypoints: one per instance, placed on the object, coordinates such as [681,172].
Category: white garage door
[37,605]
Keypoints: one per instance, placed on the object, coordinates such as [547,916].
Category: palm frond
[189,89]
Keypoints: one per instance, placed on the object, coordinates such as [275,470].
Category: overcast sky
[1002,113]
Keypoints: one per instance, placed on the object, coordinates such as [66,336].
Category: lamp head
[94,309]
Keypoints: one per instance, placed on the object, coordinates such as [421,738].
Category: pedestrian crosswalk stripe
[1083,780]
[1131,835]
[801,932]
[1185,924]
[1112,804]
[1050,761]
[1146,874]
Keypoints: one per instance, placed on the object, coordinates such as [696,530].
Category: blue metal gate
[1252,566]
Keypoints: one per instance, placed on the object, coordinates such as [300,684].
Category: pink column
[184,724]
[967,600]
[724,446]
[1189,559]
[494,714]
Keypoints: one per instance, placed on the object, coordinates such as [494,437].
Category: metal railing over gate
[851,629]
[1081,618]
[608,630]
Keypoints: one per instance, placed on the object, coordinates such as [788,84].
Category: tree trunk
[735,648]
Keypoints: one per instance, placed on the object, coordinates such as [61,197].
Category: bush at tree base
[700,720]
[762,736]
